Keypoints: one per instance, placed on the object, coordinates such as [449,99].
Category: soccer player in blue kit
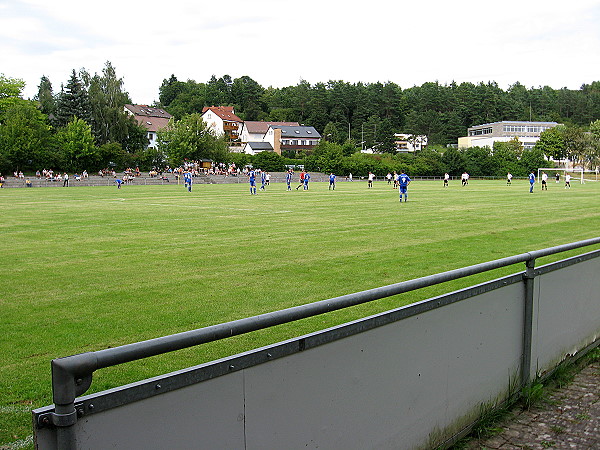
[263,180]
[403,182]
[252,179]
[288,179]
[332,181]
[187,179]
[306,180]
[531,182]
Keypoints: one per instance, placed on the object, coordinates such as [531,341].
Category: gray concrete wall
[413,377]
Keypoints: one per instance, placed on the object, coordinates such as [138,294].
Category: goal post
[552,171]
[591,175]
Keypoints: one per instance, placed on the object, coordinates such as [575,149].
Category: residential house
[153,119]
[252,148]
[409,143]
[255,131]
[223,121]
[288,137]
[528,133]
[297,138]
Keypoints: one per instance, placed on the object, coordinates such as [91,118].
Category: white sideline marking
[15,409]
[21,443]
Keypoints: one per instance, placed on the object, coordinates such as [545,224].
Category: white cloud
[278,42]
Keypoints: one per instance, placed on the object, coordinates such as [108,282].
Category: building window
[514,128]
[480,131]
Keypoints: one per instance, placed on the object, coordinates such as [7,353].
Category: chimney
[277,140]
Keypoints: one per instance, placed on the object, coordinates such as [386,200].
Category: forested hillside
[84,125]
[373,112]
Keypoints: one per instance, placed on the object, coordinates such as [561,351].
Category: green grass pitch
[87,268]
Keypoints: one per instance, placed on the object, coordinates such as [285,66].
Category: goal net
[558,175]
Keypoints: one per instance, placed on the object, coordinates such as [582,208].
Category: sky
[280,43]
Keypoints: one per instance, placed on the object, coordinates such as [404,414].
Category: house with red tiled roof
[222,121]
[153,119]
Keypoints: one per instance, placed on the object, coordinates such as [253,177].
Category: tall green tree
[552,143]
[478,161]
[109,121]
[453,161]
[73,101]
[10,92]
[576,144]
[45,97]
[247,95]
[218,91]
[77,145]
[25,138]
[592,158]
[181,98]
[190,139]
[326,157]
[532,159]
[169,90]
[191,99]
[507,155]
[331,133]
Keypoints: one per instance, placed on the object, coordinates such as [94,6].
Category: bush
[268,161]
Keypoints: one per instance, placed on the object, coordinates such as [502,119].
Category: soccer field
[87,268]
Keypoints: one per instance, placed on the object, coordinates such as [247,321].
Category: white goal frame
[554,169]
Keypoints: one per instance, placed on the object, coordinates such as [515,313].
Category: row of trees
[573,144]
[342,160]
[370,113]
[84,125]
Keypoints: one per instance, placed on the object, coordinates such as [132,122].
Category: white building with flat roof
[485,135]
[409,143]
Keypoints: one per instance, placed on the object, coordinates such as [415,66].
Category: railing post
[71,376]
[529,278]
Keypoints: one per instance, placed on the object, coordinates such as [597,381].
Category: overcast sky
[279,42]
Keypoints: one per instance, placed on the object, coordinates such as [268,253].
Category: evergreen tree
[331,133]
[247,95]
[73,101]
[45,97]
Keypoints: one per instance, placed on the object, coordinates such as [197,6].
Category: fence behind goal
[414,377]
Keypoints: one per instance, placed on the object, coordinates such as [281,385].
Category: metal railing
[72,375]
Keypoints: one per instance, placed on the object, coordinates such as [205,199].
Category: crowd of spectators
[195,168]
